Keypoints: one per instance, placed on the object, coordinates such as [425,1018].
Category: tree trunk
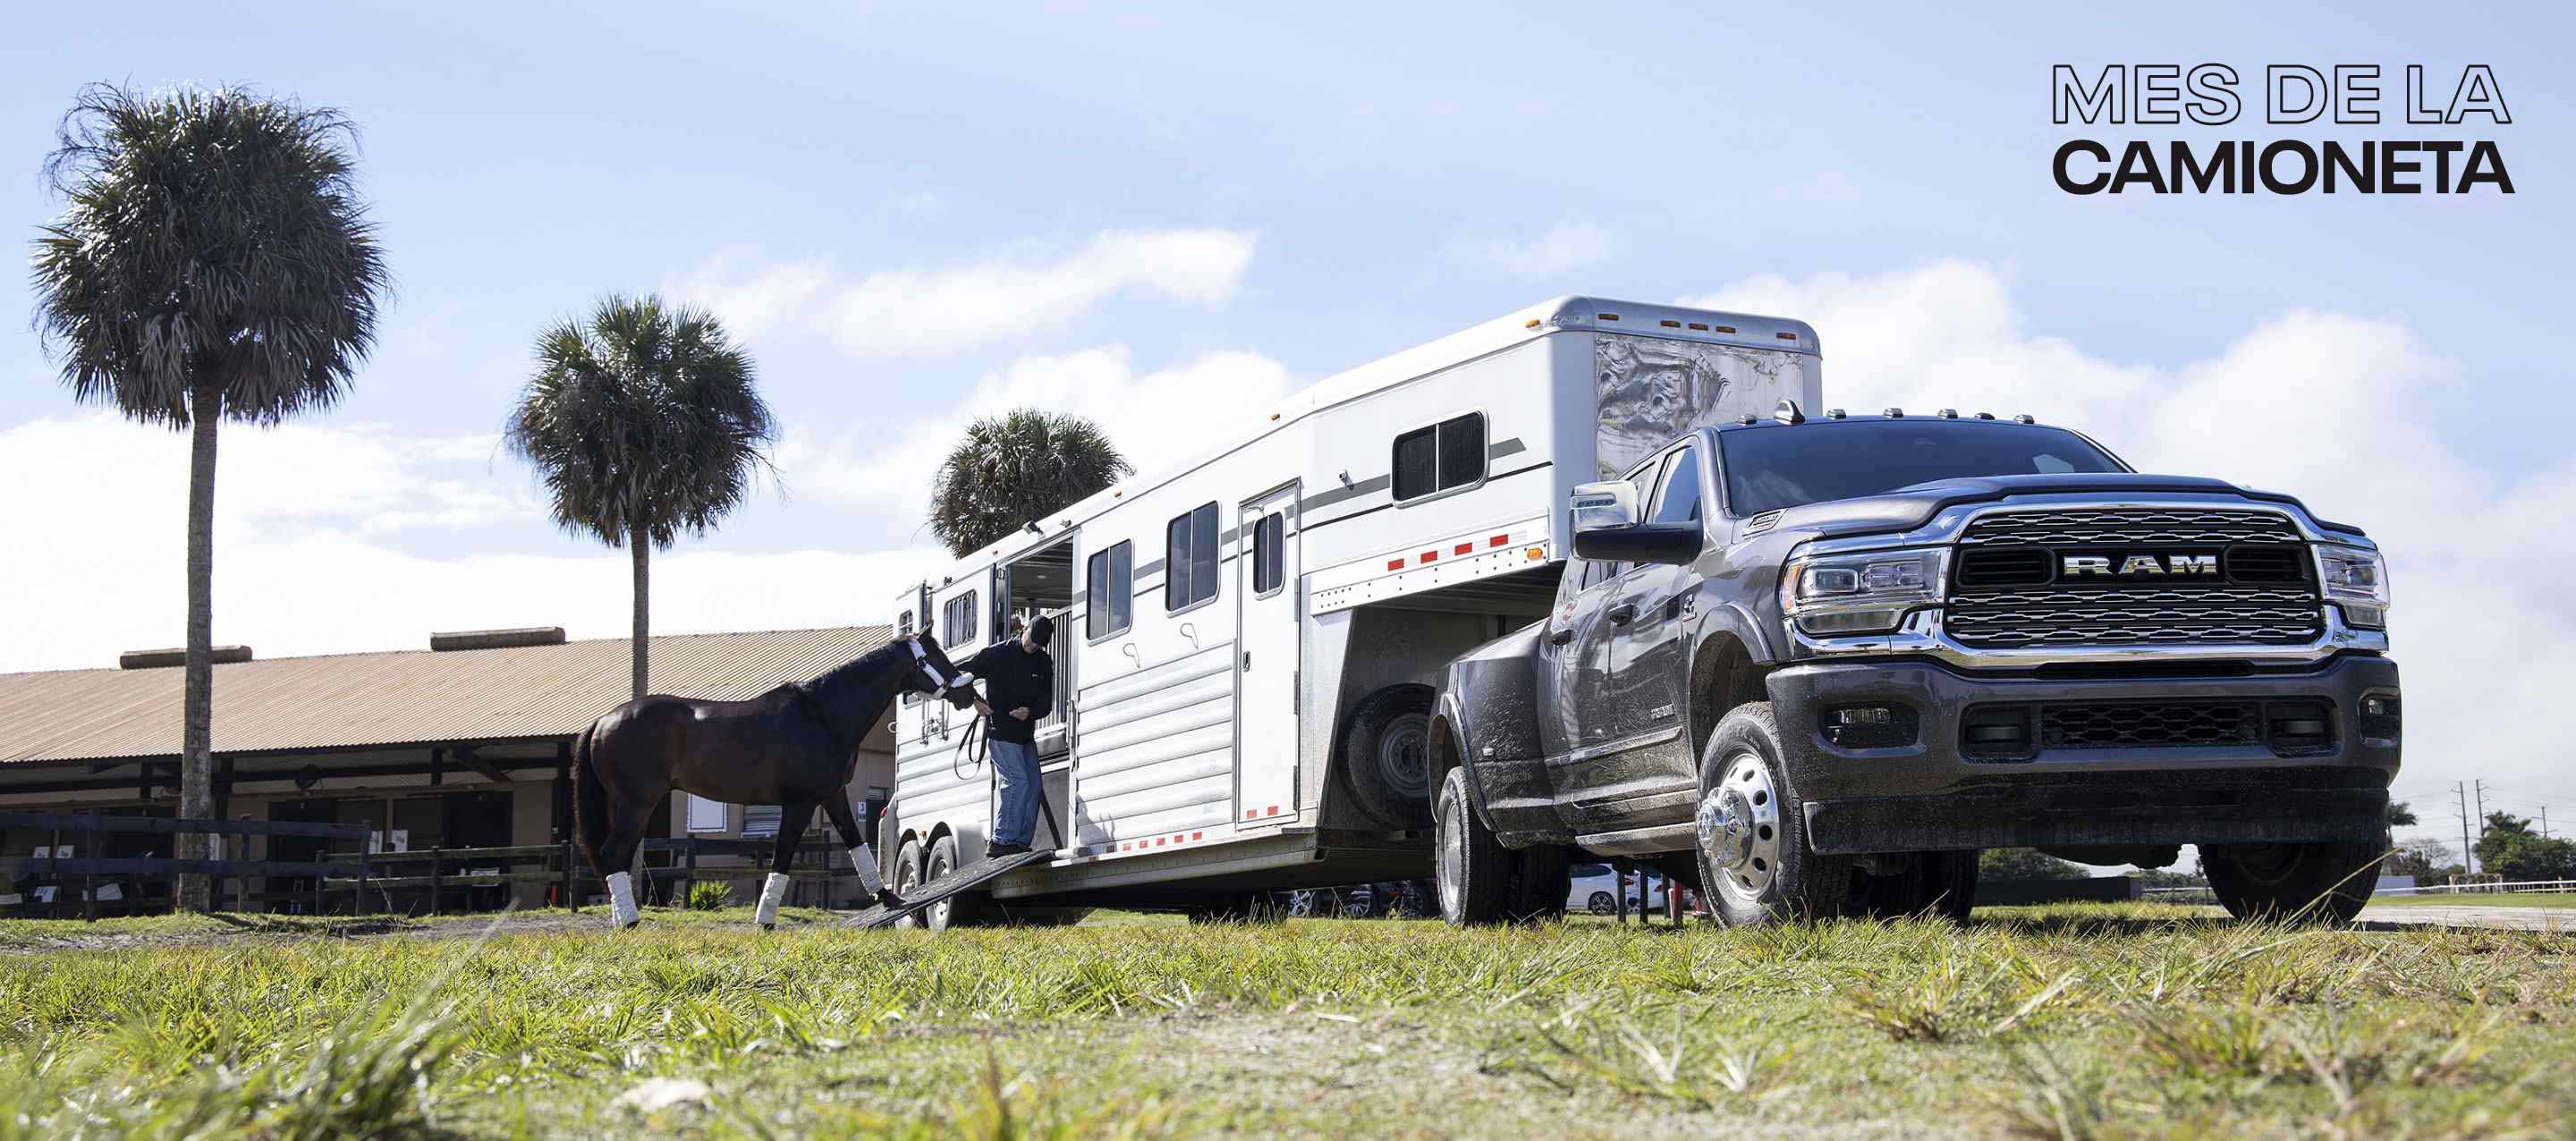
[639,544]
[197,736]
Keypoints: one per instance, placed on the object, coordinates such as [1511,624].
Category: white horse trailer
[1246,643]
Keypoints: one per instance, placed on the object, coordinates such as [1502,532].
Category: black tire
[1602,903]
[1542,877]
[908,877]
[2297,883]
[964,909]
[1752,834]
[1473,868]
[1941,884]
[1385,755]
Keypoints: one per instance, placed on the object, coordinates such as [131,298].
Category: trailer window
[1269,566]
[957,620]
[1448,454]
[1189,558]
[1109,598]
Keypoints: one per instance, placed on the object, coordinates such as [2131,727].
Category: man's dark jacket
[1014,677]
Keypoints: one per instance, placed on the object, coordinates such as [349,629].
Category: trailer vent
[177,656]
[497,639]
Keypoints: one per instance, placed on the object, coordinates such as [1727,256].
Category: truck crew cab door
[1650,653]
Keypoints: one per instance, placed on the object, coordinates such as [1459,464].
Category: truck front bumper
[2100,761]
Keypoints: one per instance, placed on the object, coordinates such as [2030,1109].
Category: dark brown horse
[793,746]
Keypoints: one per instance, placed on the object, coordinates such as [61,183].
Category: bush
[710,895]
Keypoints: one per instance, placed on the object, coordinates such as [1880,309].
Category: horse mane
[832,683]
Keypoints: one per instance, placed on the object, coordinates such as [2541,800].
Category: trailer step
[980,872]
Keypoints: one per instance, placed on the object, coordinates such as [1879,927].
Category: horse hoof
[630,925]
[769,927]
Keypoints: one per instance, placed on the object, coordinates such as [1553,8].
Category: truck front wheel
[2317,883]
[1754,865]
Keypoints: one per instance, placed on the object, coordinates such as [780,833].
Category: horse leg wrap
[770,893]
[621,899]
[865,863]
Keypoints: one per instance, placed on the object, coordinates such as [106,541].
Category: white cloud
[1156,418]
[935,312]
[1567,247]
[2335,409]
[306,562]
[751,299]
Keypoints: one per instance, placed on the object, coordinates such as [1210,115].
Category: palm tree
[1010,470]
[214,262]
[642,421]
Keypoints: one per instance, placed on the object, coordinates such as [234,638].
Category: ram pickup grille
[2010,588]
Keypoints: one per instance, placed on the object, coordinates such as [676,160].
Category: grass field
[2113,1021]
[2563,901]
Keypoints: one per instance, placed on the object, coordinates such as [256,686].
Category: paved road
[2559,919]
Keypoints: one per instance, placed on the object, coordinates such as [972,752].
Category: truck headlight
[1861,594]
[2355,578]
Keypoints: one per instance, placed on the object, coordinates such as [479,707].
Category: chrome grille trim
[2061,527]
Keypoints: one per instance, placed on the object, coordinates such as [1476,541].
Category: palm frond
[1013,469]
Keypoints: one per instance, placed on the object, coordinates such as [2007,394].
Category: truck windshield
[1771,468]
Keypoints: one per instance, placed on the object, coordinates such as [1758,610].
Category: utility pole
[2481,787]
[2468,855]
[2544,822]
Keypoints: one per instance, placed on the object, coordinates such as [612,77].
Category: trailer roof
[1561,314]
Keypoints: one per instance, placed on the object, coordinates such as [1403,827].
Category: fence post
[434,884]
[569,903]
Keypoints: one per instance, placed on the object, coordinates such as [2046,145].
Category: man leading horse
[1019,680]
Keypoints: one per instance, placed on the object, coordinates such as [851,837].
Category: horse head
[935,674]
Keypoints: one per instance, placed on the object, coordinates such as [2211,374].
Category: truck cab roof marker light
[1787,412]
[2024,418]
[1746,420]
[1833,414]
[1895,413]
[1985,415]
[1949,413]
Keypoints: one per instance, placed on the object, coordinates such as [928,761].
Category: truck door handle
[1560,637]
[1623,613]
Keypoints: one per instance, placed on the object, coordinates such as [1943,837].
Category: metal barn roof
[400,697]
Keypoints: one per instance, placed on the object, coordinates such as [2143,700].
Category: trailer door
[1269,603]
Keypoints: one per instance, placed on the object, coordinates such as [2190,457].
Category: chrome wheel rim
[1452,857]
[1739,829]
[907,878]
[935,916]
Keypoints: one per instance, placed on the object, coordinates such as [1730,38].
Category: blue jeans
[1015,811]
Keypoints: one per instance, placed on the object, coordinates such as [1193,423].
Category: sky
[1155,216]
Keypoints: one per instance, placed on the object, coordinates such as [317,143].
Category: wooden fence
[371,880]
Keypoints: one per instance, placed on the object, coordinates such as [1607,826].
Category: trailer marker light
[1702,326]
[1532,323]
[1538,552]
[1607,316]
[1671,324]
[1786,336]
[1726,328]
[1430,556]
[1464,549]
[1274,415]
[1395,564]
[1498,540]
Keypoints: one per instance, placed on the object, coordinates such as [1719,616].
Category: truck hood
[1907,508]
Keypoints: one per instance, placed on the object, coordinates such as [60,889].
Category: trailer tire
[2296,883]
[907,878]
[964,909]
[1473,868]
[1752,831]
[1385,755]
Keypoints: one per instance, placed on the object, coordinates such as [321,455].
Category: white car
[1596,889]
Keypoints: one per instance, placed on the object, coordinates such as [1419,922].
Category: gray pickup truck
[1816,664]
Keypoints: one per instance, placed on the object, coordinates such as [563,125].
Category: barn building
[464,744]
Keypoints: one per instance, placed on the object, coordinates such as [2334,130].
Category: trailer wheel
[2299,883]
[1752,843]
[1385,757]
[908,878]
[1473,867]
[960,910]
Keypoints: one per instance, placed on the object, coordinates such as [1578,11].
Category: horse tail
[589,800]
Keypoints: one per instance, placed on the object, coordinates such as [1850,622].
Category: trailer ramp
[972,875]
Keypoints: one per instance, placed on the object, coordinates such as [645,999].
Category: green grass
[2117,1021]
[2564,901]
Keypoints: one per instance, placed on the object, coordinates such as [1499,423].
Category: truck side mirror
[1610,503]
[1606,528]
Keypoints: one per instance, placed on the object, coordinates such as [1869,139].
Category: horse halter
[921,657]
